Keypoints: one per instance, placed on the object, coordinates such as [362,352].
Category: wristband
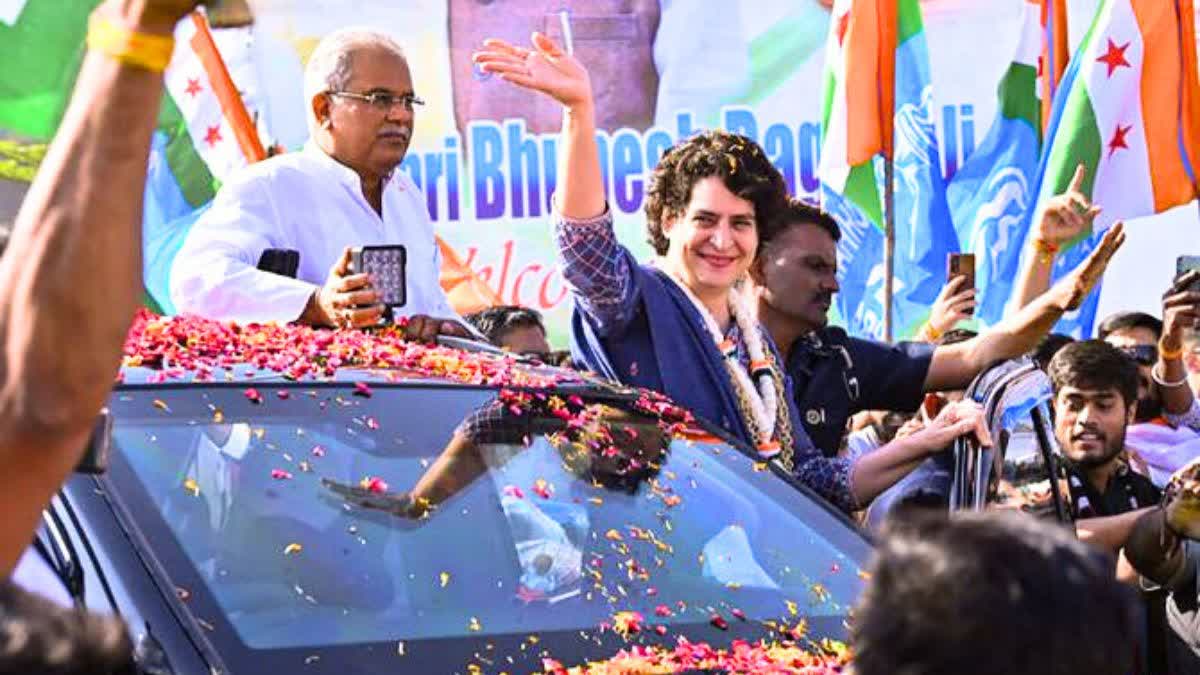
[1045,250]
[1169,354]
[151,52]
[930,333]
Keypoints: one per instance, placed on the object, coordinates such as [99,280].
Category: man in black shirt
[1095,398]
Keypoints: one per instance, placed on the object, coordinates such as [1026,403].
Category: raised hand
[545,68]
[1070,291]
[1181,308]
[1068,215]
[953,305]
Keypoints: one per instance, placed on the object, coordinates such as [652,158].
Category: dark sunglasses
[1146,355]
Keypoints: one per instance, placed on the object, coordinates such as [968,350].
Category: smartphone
[386,265]
[961,265]
[1185,264]
[281,261]
[931,406]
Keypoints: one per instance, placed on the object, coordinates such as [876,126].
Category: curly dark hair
[738,161]
[1094,364]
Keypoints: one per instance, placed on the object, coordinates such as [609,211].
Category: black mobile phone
[1185,264]
[961,265]
[386,265]
[282,261]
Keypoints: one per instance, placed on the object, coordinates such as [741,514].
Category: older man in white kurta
[342,190]
[309,202]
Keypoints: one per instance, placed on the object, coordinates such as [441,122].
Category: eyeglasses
[1146,355]
[381,101]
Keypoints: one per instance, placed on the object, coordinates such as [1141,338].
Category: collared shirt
[309,202]
[836,376]
[601,278]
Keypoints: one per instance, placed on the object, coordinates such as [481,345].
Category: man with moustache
[342,190]
[837,375]
[1095,399]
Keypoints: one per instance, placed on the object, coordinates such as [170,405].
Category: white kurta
[309,202]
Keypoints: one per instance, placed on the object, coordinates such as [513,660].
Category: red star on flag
[1114,57]
[1118,139]
[193,87]
[213,136]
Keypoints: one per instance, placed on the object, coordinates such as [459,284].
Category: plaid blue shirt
[597,271]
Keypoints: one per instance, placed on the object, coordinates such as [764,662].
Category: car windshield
[342,527]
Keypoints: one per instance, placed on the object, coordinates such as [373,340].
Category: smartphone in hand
[386,265]
[961,265]
[1185,264]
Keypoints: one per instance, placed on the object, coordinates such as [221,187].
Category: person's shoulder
[288,166]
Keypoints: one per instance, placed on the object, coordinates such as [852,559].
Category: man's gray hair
[329,66]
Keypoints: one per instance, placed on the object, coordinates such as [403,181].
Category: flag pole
[889,243]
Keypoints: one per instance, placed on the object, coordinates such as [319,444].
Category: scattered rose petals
[718,621]
[513,491]
[612,535]
[373,484]
[283,394]
[737,613]
[318,451]
[280,474]
[662,610]
[372,424]
[252,395]
[362,389]
[542,489]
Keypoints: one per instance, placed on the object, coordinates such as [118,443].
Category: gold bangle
[1169,354]
[152,52]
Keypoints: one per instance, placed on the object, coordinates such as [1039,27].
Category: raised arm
[71,277]
[548,69]
[1181,310]
[954,366]
[597,269]
[1063,218]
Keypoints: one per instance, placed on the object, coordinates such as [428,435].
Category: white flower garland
[758,385]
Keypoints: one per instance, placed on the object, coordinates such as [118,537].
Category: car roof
[189,349]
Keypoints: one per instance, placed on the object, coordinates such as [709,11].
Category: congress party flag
[1128,108]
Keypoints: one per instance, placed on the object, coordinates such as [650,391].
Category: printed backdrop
[484,152]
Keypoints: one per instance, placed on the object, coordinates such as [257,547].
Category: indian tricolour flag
[992,195]
[879,105]
[209,128]
[859,100]
[1128,108]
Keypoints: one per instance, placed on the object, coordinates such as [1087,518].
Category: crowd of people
[729,319]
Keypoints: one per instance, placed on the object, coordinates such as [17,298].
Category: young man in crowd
[837,375]
[1095,399]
